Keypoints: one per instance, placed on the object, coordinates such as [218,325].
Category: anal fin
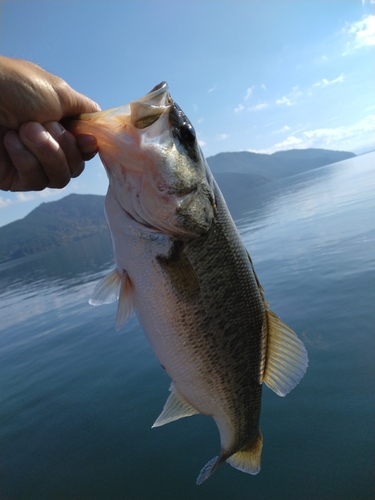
[175,407]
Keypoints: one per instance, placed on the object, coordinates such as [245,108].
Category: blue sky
[251,75]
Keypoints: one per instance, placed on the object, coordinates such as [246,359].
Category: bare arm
[35,150]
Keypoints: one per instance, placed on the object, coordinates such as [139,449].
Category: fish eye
[187,133]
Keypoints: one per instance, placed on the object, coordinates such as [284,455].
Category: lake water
[78,398]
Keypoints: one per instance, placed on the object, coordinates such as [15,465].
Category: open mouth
[148,109]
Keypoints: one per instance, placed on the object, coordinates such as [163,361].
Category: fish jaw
[117,130]
[156,172]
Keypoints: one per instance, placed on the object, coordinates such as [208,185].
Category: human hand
[35,149]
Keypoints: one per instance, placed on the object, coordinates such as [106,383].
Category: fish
[181,266]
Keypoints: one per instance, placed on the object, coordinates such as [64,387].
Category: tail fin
[248,458]
[245,460]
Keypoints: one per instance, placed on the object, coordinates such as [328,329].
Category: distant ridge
[237,173]
[53,224]
[277,165]
[80,216]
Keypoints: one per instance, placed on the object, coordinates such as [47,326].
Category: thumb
[74,103]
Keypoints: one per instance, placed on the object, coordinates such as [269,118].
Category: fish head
[156,169]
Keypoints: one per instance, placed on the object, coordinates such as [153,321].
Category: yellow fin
[284,357]
[107,290]
[287,359]
[246,460]
[249,457]
[175,407]
[125,301]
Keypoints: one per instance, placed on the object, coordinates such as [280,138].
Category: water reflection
[78,399]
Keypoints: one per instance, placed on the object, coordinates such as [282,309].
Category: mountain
[53,224]
[277,165]
[80,216]
[237,173]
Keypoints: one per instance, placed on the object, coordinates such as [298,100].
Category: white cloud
[324,82]
[212,89]
[361,34]
[291,98]
[249,92]
[222,137]
[290,142]
[4,202]
[239,108]
[47,193]
[258,107]
[22,197]
[263,87]
[200,120]
[344,138]
[282,129]
[321,59]
[284,100]
[202,143]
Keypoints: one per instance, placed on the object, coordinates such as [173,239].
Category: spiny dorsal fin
[249,457]
[107,290]
[175,407]
[284,356]
[125,301]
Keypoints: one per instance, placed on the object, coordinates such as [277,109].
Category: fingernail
[12,141]
[38,135]
[55,128]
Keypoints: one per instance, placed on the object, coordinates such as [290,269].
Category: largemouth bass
[182,267]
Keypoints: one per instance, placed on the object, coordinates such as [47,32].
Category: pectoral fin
[107,290]
[175,407]
[179,270]
[125,301]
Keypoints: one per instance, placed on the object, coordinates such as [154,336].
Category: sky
[260,76]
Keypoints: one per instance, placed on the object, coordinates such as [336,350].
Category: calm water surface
[78,398]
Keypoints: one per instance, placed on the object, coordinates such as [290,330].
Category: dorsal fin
[175,407]
[284,356]
[107,290]
[287,359]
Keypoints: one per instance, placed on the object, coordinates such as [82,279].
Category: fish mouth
[148,109]
[140,113]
